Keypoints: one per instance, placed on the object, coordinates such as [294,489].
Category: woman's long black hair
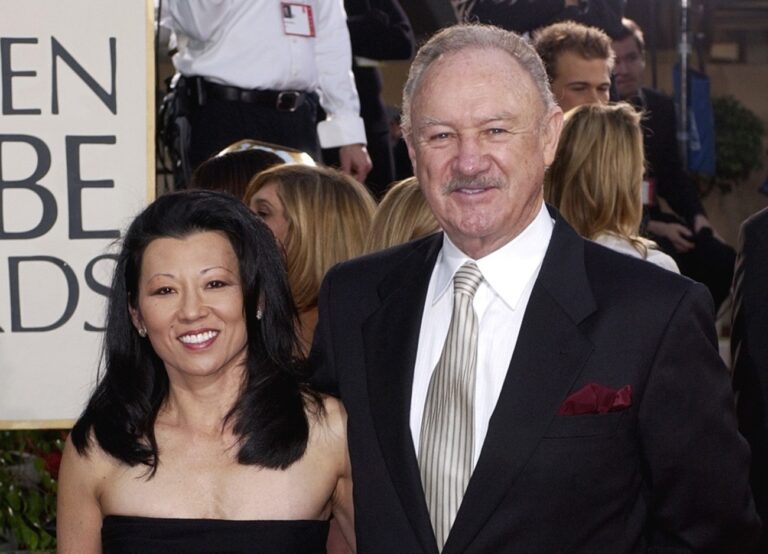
[269,415]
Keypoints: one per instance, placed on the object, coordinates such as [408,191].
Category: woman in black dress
[201,435]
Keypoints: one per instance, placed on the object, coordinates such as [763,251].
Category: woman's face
[268,206]
[190,301]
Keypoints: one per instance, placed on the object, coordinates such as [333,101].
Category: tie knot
[467,279]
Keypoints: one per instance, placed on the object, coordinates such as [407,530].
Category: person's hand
[701,222]
[355,161]
[679,235]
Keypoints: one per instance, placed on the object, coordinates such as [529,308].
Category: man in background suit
[749,350]
[549,394]
[687,235]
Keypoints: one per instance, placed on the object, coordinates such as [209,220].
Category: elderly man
[511,387]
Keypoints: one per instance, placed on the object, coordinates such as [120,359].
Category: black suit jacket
[670,471]
[662,155]
[749,348]
[528,15]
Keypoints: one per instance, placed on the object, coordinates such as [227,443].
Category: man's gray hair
[474,36]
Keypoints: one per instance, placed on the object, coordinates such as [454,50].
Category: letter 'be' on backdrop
[76,164]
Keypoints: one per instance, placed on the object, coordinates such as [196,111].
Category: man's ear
[550,134]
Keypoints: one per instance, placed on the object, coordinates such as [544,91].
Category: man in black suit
[749,349]
[687,235]
[589,410]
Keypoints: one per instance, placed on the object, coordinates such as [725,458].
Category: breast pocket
[591,425]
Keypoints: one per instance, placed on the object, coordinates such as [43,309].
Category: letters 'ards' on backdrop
[76,163]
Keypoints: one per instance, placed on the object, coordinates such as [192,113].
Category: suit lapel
[549,355]
[391,340]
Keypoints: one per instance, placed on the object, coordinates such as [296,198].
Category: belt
[281,100]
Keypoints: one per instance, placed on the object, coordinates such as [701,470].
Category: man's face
[479,142]
[629,67]
[580,81]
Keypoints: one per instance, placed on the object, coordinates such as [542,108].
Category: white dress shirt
[508,277]
[242,43]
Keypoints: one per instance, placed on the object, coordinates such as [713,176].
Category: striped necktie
[447,425]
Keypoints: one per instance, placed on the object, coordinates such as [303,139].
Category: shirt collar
[507,270]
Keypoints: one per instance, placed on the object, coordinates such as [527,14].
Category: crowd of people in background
[312,251]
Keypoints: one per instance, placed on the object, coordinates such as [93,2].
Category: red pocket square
[596,399]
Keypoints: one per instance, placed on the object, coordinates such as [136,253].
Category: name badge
[298,20]
[649,191]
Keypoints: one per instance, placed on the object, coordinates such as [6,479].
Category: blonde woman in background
[596,178]
[402,215]
[321,217]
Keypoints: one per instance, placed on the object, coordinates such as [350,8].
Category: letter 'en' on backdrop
[76,164]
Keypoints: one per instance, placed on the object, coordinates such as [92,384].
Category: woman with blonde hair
[402,215]
[596,178]
[321,217]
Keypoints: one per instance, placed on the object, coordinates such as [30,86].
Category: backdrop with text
[76,164]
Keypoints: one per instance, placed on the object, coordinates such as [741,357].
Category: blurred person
[320,217]
[687,235]
[596,179]
[379,30]
[527,16]
[231,172]
[202,411]
[511,386]
[749,353]
[578,60]
[402,215]
[257,69]
[403,166]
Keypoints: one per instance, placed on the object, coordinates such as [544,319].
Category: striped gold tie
[447,425]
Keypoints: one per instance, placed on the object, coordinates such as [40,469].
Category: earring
[143,332]
[258,313]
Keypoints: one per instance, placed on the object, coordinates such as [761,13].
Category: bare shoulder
[88,468]
[328,424]
[79,511]
[335,413]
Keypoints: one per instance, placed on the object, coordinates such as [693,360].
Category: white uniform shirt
[509,275]
[242,43]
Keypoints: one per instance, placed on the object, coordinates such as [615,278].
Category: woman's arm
[342,505]
[78,519]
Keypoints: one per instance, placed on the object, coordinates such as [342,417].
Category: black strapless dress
[149,535]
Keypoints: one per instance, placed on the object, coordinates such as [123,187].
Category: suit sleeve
[321,362]
[379,30]
[749,352]
[697,463]
[525,16]
[519,17]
